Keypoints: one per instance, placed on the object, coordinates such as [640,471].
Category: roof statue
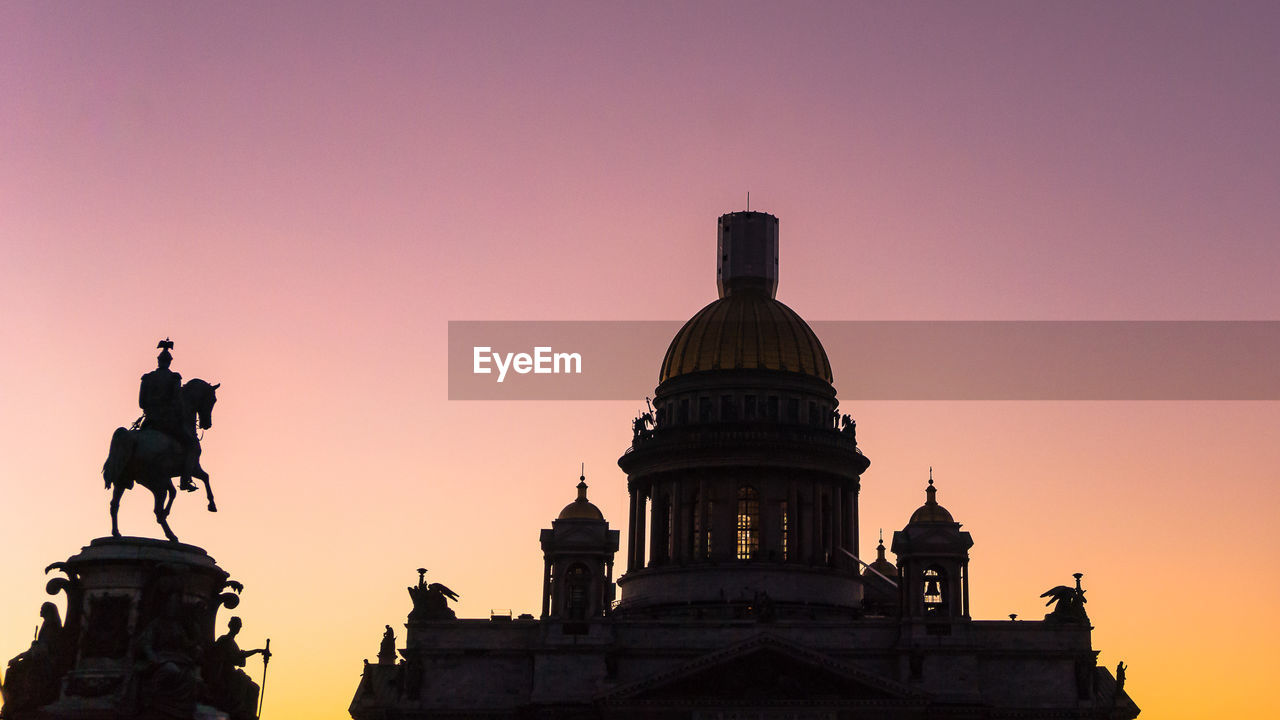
[430,601]
[387,648]
[1070,603]
[162,444]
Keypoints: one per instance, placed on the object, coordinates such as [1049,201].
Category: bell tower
[933,563]
[578,550]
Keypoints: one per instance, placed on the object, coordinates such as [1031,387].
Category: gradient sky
[302,196]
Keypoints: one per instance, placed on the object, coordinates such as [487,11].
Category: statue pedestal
[140,617]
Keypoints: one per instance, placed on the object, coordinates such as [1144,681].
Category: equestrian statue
[162,444]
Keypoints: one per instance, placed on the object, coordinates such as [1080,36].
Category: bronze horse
[152,458]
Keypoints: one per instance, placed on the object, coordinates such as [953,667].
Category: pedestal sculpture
[138,637]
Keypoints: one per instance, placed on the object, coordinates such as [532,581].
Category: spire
[582,484]
[880,547]
[931,492]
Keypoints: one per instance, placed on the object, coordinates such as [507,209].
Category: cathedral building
[745,593]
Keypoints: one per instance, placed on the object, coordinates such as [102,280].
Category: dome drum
[745,396]
[703,519]
[745,446]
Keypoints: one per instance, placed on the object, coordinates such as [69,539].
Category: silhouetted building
[744,595]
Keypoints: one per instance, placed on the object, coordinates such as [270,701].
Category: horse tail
[117,458]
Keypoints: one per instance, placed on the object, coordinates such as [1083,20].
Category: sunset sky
[303,195]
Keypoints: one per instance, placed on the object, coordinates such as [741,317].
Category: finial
[930,474]
[582,484]
[881,536]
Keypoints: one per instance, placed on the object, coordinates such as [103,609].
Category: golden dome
[746,331]
[581,509]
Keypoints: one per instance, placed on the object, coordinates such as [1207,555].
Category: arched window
[577,582]
[935,590]
[748,523]
[799,528]
[708,514]
[784,529]
[693,525]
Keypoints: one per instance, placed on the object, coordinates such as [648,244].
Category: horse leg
[208,489]
[116,492]
[163,492]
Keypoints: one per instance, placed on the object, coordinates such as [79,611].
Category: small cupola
[578,550]
[933,562]
[581,509]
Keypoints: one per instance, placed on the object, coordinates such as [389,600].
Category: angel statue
[430,601]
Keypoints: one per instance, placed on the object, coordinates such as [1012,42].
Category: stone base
[140,617]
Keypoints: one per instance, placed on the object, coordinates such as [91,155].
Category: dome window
[748,523]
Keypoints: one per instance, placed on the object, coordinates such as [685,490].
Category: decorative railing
[738,433]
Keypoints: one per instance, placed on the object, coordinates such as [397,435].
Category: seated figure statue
[31,680]
[229,688]
[165,660]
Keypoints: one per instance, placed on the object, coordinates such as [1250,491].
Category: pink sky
[303,196]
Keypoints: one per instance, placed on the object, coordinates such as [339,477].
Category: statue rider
[160,397]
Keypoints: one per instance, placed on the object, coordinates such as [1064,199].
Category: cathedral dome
[746,331]
[581,509]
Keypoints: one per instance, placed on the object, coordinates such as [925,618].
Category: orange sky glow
[303,196]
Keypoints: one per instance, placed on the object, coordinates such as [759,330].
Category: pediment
[761,671]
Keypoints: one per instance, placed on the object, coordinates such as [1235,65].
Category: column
[815,527]
[632,524]
[546,588]
[699,541]
[655,525]
[679,541]
[641,497]
[837,521]
[856,534]
[725,523]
